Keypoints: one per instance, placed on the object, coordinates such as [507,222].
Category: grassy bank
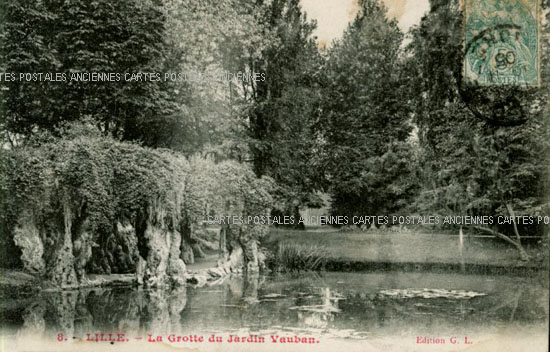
[395,247]
[347,251]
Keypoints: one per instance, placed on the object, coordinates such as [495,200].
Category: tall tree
[365,119]
[284,105]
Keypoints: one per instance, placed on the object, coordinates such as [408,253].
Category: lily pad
[430,293]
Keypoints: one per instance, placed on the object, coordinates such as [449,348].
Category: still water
[405,311]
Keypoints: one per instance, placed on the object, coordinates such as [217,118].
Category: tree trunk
[297,224]
[522,253]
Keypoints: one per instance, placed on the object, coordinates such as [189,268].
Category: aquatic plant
[300,257]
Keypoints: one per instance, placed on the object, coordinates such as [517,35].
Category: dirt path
[209,261]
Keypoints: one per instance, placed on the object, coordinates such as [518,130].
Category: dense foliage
[94,181]
[383,127]
[365,120]
[267,122]
[79,37]
[474,161]
[481,148]
[284,107]
[94,187]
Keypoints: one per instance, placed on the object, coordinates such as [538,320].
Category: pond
[405,311]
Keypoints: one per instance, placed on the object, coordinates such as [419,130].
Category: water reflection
[350,305]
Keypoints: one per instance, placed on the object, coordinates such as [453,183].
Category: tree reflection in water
[329,302]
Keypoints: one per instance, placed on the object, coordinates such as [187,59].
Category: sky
[333,16]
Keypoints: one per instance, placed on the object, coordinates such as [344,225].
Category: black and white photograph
[274,175]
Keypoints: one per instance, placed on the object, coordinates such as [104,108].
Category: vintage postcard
[274,175]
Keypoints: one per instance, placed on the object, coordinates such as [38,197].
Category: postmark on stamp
[502,42]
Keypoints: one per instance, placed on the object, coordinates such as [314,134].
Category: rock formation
[92,205]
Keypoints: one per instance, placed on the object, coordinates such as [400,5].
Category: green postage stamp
[502,42]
